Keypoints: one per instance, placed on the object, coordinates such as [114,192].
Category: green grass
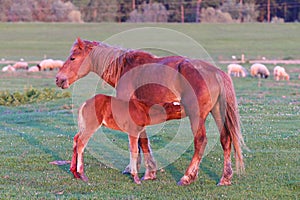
[33,135]
[33,41]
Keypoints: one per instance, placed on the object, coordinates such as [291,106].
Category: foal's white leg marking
[133,162]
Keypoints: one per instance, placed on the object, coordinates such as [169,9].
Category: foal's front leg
[134,153]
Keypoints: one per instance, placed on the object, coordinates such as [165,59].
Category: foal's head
[77,64]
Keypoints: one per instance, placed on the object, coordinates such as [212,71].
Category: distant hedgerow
[31,95]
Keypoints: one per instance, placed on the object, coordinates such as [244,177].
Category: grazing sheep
[280,74]
[259,69]
[34,69]
[236,70]
[8,68]
[57,64]
[21,65]
[50,64]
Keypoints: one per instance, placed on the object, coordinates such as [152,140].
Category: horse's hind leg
[219,116]
[227,169]
[200,141]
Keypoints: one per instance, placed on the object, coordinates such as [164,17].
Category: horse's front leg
[77,164]
[133,142]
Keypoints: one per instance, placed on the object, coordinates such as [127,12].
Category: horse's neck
[106,63]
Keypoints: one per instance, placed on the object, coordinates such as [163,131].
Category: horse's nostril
[60,81]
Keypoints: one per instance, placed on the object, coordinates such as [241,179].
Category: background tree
[149,12]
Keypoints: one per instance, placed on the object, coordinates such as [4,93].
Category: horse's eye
[72,58]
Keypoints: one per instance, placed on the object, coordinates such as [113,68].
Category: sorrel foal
[130,117]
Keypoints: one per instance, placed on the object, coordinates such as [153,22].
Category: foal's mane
[110,62]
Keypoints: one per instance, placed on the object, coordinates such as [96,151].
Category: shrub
[30,95]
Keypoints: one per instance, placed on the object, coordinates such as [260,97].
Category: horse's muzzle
[62,82]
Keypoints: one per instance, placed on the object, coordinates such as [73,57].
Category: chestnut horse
[111,112]
[198,86]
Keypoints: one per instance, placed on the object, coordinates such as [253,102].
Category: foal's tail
[232,121]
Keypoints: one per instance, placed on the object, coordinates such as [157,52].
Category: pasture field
[33,135]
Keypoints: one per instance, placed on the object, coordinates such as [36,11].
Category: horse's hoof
[149,176]
[224,183]
[184,181]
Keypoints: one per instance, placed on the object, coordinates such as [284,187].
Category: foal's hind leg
[150,164]
[133,141]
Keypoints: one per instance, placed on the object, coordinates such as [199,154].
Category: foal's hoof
[137,180]
[126,170]
[83,177]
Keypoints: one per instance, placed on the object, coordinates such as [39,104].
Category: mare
[198,86]
[130,117]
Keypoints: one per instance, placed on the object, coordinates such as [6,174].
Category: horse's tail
[232,121]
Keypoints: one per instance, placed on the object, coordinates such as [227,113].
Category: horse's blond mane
[107,61]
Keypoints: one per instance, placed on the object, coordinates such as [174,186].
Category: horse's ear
[80,43]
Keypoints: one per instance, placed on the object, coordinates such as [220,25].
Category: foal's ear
[80,43]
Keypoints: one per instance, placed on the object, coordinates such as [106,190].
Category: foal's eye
[72,58]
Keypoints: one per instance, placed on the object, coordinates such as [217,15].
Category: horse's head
[77,64]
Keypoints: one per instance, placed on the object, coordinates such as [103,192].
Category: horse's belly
[156,93]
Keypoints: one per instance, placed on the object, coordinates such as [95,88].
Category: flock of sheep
[47,64]
[258,70]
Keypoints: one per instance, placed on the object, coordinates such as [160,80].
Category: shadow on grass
[34,142]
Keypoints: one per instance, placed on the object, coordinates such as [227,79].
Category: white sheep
[21,65]
[280,74]
[259,69]
[50,64]
[8,68]
[34,69]
[236,70]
